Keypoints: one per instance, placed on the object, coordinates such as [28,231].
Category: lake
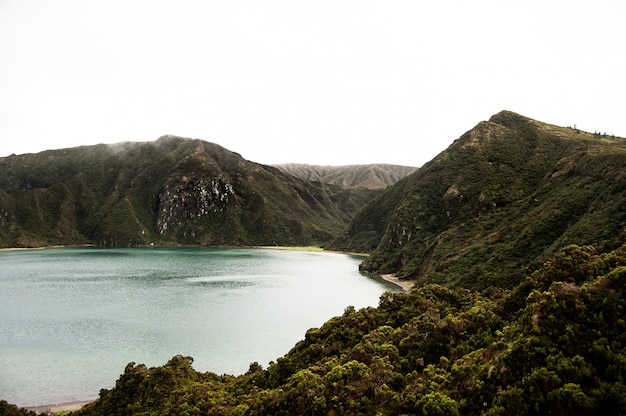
[72,318]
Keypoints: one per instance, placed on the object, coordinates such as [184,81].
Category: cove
[72,318]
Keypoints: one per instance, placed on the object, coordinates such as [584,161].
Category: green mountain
[351,187]
[372,176]
[498,211]
[171,191]
[507,194]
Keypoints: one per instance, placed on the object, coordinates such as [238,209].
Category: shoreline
[60,407]
[405,286]
[28,248]
[43,247]
[312,249]
[390,278]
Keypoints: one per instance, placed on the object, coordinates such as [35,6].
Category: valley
[512,239]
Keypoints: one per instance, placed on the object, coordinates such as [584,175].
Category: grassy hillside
[372,176]
[171,191]
[508,193]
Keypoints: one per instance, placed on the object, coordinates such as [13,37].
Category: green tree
[437,404]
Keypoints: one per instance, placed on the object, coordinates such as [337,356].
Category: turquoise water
[72,318]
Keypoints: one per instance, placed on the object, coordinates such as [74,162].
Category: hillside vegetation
[553,345]
[374,176]
[507,194]
[171,191]
[515,237]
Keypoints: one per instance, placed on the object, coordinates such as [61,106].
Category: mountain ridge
[369,176]
[509,191]
[170,191]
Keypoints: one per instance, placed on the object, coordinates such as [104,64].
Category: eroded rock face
[191,198]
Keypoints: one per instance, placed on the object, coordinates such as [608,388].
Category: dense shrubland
[554,344]
[7,409]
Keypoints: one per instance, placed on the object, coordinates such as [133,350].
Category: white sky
[321,82]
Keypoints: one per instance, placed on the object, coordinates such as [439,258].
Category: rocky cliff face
[188,199]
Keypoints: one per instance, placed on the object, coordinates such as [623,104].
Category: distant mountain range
[373,176]
[171,191]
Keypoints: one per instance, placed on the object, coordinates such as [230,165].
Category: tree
[436,404]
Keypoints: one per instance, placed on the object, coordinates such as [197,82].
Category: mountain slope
[171,191]
[372,176]
[508,192]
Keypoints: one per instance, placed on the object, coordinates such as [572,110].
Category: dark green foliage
[7,409]
[174,388]
[366,228]
[554,345]
[508,193]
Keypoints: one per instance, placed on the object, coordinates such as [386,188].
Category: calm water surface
[72,318]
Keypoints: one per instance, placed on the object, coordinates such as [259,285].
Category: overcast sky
[319,82]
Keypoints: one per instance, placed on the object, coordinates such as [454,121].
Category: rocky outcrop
[188,199]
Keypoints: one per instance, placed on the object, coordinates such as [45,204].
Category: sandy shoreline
[313,249]
[290,248]
[405,286]
[26,248]
[42,248]
[61,407]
